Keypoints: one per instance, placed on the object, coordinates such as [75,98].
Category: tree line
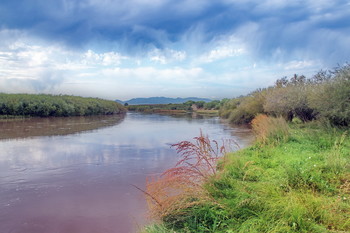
[187,106]
[44,105]
[326,96]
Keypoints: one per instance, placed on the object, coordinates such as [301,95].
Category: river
[77,174]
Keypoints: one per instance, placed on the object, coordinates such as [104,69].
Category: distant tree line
[187,106]
[56,105]
[326,95]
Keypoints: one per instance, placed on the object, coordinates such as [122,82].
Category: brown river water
[77,174]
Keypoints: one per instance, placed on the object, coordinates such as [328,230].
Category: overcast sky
[120,49]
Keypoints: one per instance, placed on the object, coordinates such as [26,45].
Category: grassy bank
[295,178]
[14,105]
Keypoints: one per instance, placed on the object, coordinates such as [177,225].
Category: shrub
[326,95]
[289,101]
[331,99]
[60,105]
[248,107]
[228,106]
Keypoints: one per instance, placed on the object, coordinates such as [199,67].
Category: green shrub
[331,99]
[50,105]
[326,95]
[248,108]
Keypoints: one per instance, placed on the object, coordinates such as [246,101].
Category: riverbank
[295,178]
[31,105]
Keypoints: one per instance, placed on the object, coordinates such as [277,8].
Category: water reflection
[83,182]
[31,127]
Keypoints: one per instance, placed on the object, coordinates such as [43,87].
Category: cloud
[223,48]
[299,30]
[166,55]
[104,59]
[298,65]
[265,26]
[151,76]
[45,82]
[188,46]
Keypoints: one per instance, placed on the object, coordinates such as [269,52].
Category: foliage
[228,106]
[331,99]
[184,107]
[215,104]
[298,185]
[325,95]
[289,102]
[248,107]
[152,108]
[50,105]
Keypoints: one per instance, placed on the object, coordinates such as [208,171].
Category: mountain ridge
[161,100]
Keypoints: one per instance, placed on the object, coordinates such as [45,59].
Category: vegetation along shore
[201,107]
[24,105]
[294,178]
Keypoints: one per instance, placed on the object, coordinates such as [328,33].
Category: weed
[181,187]
[270,129]
[335,161]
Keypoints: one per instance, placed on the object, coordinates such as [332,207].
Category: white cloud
[166,56]
[33,67]
[221,53]
[104,59]
[222,48]
[298,65]
[151,75]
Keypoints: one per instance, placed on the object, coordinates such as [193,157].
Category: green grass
[298,185]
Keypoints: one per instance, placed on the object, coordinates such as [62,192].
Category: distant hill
[161,100]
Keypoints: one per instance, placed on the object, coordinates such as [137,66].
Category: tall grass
[293,180]
[181,187]
[270,129]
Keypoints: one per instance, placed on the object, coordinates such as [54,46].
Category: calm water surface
[76,175]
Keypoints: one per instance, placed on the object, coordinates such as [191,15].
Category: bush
[228,106]
[248,107]
[326,95]
[289,101]
[331,99]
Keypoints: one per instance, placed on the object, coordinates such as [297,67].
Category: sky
[122,49]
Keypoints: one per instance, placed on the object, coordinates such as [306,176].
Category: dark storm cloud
[310,28]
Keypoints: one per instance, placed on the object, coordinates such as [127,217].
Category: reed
[270,129]
[181,187]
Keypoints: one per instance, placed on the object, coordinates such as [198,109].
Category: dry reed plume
[270,129]
[181,187]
